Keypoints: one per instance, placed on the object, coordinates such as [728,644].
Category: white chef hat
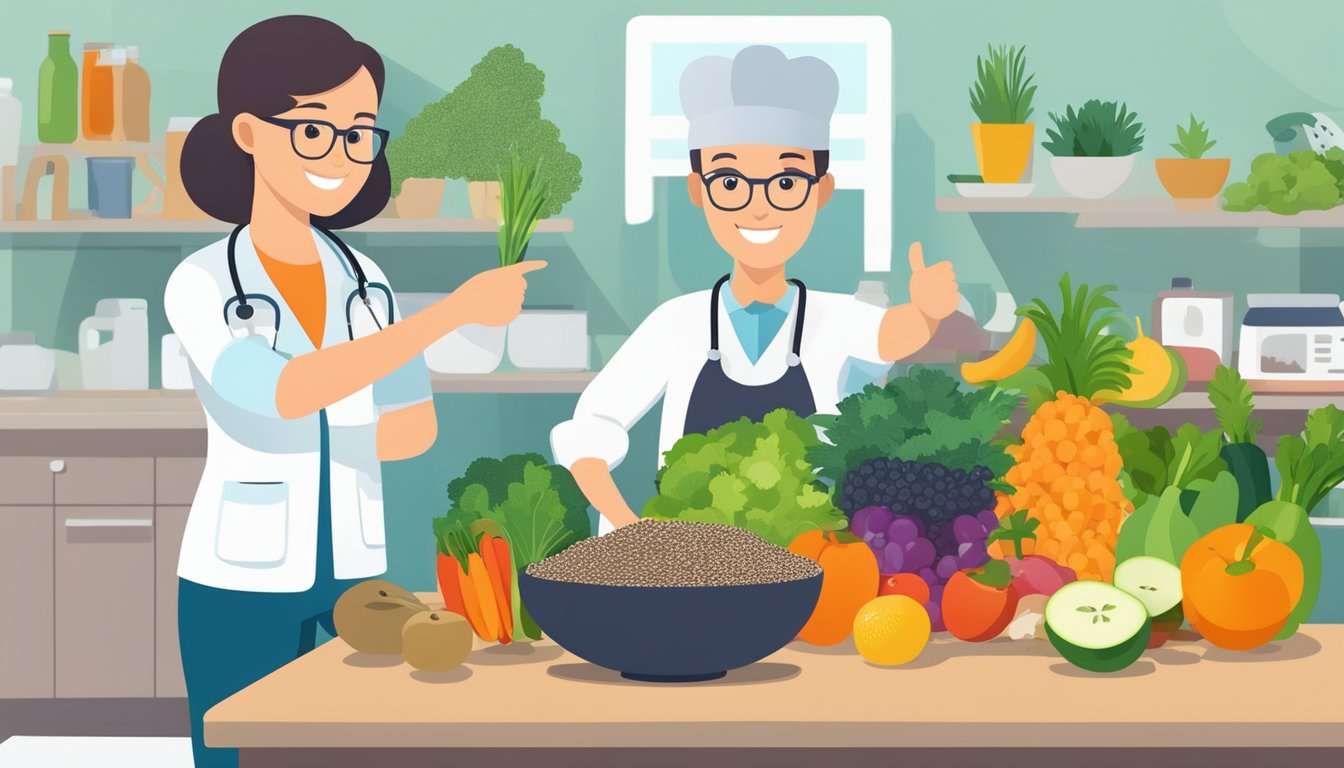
[759,96]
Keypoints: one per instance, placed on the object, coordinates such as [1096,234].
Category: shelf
[1147,213]
[1199,401]
[153,226]
[513,382]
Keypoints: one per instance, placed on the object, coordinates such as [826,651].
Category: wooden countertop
[1002,693]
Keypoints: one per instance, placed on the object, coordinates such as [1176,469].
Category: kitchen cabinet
[104,601]
[106,480]
[27,602]
[169,524]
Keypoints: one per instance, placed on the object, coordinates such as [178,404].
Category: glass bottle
[102,101]
[134,113]
[86,87]
[58,93]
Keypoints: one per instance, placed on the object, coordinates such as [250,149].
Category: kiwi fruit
[436,641]
[370,615]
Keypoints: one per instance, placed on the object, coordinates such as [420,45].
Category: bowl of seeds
[670,601]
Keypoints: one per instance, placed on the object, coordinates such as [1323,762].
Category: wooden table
[1004,702]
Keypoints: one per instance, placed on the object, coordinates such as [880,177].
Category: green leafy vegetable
[1233,403]
[1002,91]
[1158,529]
[1302,181]
[1155,460]
[925,416]
[1192,142]
[1289,524]
[1216,504]
[754,475]
[1312,464]
[522,199]
[1098,129]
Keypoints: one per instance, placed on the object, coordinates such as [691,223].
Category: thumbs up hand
[933,289]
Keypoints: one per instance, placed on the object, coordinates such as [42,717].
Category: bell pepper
[475,574]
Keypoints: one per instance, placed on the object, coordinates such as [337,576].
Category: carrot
[505,585]
[490,556]
[485,594]
[470,600]
[450,586]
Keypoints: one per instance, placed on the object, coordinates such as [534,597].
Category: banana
[1013,357]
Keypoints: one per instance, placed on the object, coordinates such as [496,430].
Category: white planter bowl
[1091,178]
[549,340]
[469,349]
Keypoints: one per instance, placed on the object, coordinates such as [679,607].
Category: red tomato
[979,603]
[908,584]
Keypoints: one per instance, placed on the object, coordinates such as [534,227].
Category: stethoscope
[245,311]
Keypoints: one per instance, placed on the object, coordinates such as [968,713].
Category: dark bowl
[670,634]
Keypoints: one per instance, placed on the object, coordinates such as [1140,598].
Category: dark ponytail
[262,69]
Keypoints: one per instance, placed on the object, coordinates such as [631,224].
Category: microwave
[1292,337]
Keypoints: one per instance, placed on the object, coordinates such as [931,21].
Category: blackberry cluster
[933,492]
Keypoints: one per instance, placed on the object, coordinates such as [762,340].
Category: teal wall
[1235,64]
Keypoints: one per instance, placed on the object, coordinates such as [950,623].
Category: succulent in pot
[1093,147]
[1193,180]
[1001,97]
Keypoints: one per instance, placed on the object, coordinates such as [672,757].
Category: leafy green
[754,475]
[1158,528]
[1302,181]
[1002,92]
[1155,460]
[1082,360]
[1289,524]
[1312,464]
[925,416]
[1098,129]
[538,505]
[1233,404]
[1216,504]
[522,198]
[1192,142]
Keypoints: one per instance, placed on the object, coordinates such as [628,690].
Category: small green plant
[1003,91]
[1193,141]
[522,198]
[1098,129]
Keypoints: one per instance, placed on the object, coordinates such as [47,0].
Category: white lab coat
[663,358]
[253,523]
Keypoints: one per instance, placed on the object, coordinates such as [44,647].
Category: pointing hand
[933,289]
[494,297]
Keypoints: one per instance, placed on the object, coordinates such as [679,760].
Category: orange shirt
[304,290]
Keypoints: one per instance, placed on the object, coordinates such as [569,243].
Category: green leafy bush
[1098,129]
[754,475]
[1192,141]
[1002,92]
[925,416]
[1302,181]
[470,132]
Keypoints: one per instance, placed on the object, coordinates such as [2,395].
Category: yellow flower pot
[419,198]
[484,196]
[1193,184]
[1002,150]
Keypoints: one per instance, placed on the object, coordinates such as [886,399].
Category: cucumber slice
[1096,626]
[1155,582]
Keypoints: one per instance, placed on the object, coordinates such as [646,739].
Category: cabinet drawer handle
[94,522]
[57,465]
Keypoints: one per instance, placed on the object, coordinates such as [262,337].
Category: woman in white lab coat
[759,147]
[307,372]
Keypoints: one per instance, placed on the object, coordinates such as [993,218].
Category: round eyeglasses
[314,139]
[731,191]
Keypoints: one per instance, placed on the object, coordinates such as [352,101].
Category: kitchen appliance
[25,367]
[114,345]
[1191,322]
[174,371]
[1293,338]
[549,339]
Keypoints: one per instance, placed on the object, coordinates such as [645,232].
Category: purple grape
[891,558]
[935,608]
[945,543]
[920,554]
[929,577]
[947,565]
[905,528]
[988,519]
[870,520]
[967,528]
[972,555]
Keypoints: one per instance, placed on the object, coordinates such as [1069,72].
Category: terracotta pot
[1194,185]
[420,198]
[484,197]
[1003,150]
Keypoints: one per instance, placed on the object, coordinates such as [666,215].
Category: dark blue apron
[717,399]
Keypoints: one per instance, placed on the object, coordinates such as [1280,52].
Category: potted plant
[1093,148]
[469,134]
[1001,98]
[1192,180]
[541,338]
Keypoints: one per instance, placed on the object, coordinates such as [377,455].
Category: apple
[908,584]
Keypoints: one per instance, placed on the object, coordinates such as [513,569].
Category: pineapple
[1068,466]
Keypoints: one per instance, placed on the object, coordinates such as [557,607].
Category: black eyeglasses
[731,191]
[314,139]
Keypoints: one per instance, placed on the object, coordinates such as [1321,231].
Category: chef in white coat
[759,143]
